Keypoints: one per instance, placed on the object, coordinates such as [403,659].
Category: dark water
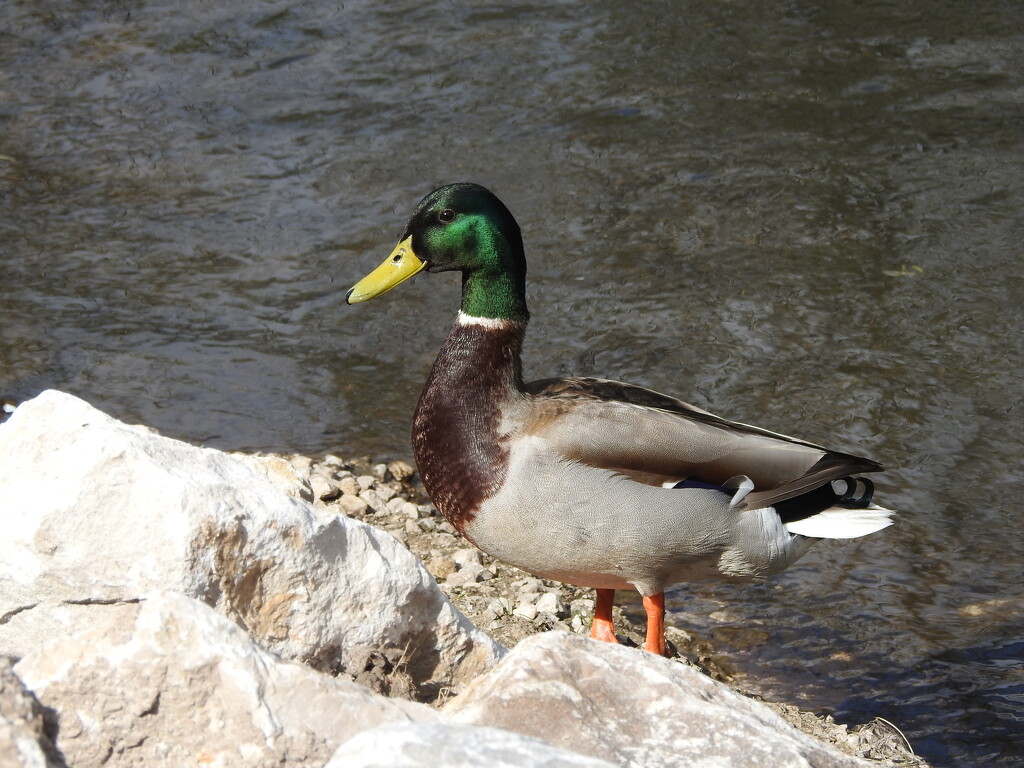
[802,215]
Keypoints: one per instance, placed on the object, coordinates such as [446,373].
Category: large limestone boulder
[570,692]
[96,512]
[167,681]
[26,734]
[448,745]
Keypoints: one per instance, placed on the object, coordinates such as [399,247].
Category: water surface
[805,216]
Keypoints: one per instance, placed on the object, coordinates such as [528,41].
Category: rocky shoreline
[163,602]
[511,605]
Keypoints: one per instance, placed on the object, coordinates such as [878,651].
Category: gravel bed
[510,604]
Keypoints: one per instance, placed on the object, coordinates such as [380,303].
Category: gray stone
[548,602]
[634,709]
[373,500]
[167,681]
[385,492]
[439,745]
[471,573]
[401,470]
[95,511]
[464,557]
[352,505]
[349,486]
[525,610]
[26,734]
[323,488]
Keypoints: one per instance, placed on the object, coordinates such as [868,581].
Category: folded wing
[654,439]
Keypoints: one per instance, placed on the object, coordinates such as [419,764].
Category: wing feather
[655,438]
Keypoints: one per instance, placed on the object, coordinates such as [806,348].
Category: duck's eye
[446,215]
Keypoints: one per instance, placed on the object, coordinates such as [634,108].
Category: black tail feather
[857,495]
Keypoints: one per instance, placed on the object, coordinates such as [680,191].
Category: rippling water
[802,215]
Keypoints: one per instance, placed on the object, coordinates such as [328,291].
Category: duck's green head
[459,227]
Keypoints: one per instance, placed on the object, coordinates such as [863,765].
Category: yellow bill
[397,268]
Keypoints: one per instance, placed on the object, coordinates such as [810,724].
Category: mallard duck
[588,481]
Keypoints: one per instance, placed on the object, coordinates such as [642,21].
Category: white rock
[96,511]
[471,573]
[525,610]
[25,736]
[549,602]
[352,505]
[385,492]
[401,470]
[349,486]
[323,488]
[373,500]
[168,681]
[500,606]
[634,709]
[464,557]
[410,510]
[583,606]
[529,584]
[439,745]
[285,474]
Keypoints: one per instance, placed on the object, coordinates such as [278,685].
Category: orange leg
[601,628]
[655,608]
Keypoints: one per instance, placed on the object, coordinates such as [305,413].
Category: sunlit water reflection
[803,216]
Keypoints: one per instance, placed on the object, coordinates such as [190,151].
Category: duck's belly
[591,527]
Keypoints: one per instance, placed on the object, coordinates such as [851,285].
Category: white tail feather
[840,523]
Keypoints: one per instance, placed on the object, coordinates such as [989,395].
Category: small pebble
[470,574]
[366,481]
[500,606]
[549,603]
[401,470]
[322,488]
[529,584]
[373,500]
[441,567]
[349,486]
[583,606]
[465,557]
[386,492]
[301,464]
[526,611]
[528,598]
[352,506]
